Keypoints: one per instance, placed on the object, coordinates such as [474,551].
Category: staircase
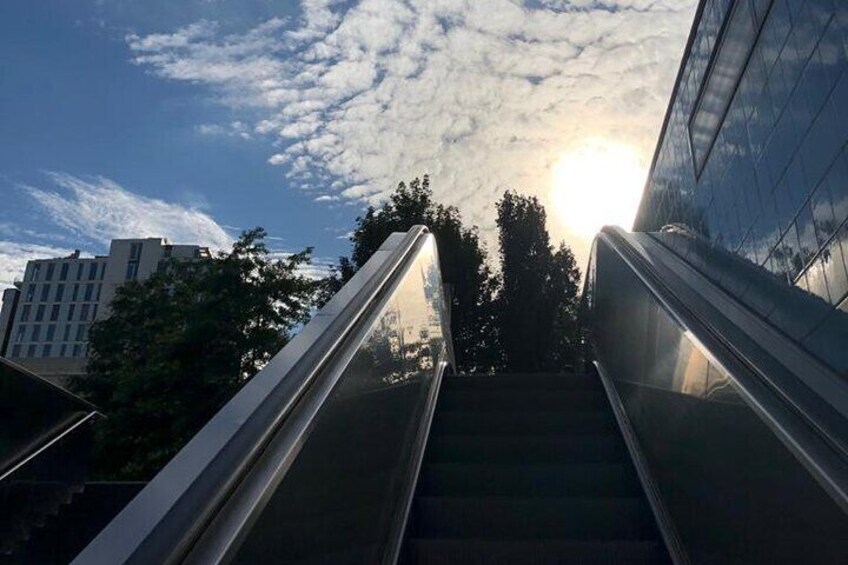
[528,469]
[66,532]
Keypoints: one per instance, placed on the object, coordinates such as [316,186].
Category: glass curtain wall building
[752,156]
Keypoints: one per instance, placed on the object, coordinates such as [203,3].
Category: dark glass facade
[753,155]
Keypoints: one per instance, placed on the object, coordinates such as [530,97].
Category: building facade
[59,299]
[753,158]
[7,316]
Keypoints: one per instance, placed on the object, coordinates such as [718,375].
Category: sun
[597,184]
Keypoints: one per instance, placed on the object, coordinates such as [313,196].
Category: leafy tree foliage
[462,257]
[538,302]
[178,345]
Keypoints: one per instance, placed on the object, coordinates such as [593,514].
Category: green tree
[538,303]
[178,345]
[462,257]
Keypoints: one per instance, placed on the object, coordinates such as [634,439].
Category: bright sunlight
[597,184]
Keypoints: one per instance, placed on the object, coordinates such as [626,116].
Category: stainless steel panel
[735,492]
[339,498]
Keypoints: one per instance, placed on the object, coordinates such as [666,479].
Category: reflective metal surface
[338,501]
[732,486]
[802,316]
[346,400]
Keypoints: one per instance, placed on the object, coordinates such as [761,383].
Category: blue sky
[192,119]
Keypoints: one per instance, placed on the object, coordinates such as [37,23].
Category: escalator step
[530,552]
[531,381]
[505,518]
[517,399]
[481,480]
[582,448]
[532,423]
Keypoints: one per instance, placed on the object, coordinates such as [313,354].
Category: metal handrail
[798,429]
[170,519]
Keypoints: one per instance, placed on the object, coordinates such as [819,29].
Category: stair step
[505,518]
[482,480]
[529,381]
[532,552]
[517,399]
[582,448]
[523,422]
[66,533]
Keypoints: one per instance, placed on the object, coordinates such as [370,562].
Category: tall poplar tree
[538,302]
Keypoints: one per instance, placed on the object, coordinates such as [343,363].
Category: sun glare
[597,184]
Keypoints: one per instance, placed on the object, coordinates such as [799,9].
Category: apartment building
[48,315]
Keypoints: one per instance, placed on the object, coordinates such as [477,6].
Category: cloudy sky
[195,119]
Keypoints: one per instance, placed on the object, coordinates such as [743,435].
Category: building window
[71,309]
[737,39]
[79,271]
[51,267]
[20,335]
[102,270]
[51,332]
[63,272]
[36,269]
[81,330]
[30,294]
[132,271]
[45,351]
[62,350]
[54,313]
[89,292]
[39,313]
[45,292]
[66,336]
[92,271]
[84,312]
[97,292]
[75,293]
[25,313]
[93,311]
[60,292]
[36,332]
[76,350]
[135,251]
[16,351]
[31,350]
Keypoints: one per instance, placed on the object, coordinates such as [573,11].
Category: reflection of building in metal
[59,298]
[753,156]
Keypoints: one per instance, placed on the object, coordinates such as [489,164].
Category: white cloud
[14,256]
[99,209]
[94,210]
[484,96]
[236,128]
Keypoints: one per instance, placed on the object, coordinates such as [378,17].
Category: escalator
[696,435]
[528,469]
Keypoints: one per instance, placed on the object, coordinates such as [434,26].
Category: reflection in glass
[341,494]
[733,490]
[729,61]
